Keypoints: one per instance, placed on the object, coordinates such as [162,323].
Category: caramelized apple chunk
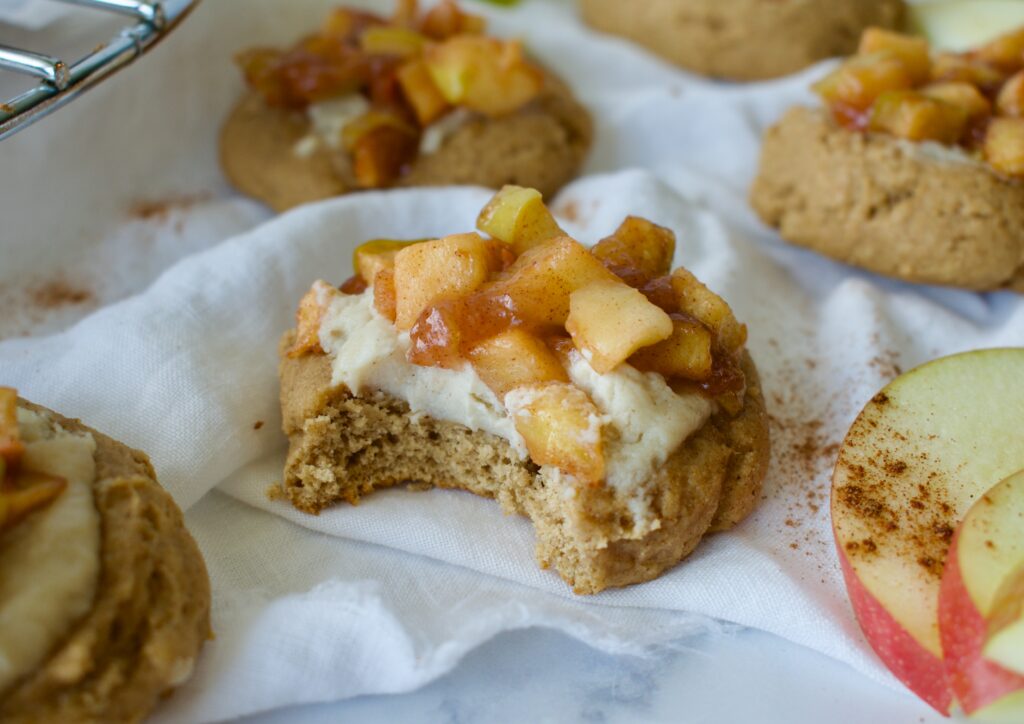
[1004,146]
[384,293]
[861,79]
[963,69]
[1005,52]
[962,95]
[1010,101]
[609,321]
[912,51]
[446,20]
[518,217]
[308,318]
[916,117]
[432,270]
[638,251]
[11,447]
[515,358]
[561,427]
[537,286]
[421,92]
[372,256]
[483,74]
[686,353]
[707,307]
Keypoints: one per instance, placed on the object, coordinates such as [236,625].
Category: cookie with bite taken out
[600,393]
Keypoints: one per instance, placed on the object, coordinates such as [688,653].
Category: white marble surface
[543,676]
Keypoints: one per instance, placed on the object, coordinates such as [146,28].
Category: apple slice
[918,455]
[986,554]
[1005,644]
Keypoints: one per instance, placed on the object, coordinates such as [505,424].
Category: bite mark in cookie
[467,364]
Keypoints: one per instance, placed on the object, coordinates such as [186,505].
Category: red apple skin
[975,680]
[920,670]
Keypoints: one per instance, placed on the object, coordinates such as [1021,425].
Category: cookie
[892,207]
[743,40]
[343,447]
[146,612]
[541,145]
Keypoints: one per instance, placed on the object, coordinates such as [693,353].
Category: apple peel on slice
[980,585]
[915,460]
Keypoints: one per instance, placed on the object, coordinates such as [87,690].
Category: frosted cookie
[915,169]
[609,399]
[414,100]
[743,39]
[104,596]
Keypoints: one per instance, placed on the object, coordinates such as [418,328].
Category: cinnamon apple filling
[596,362]
[383,90]
[972,101]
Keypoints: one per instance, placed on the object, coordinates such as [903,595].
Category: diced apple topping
[912,52]
[1004,146]
[483,74]
[916,117]
[401,42]
[704,305]
[1011,98]
[687,353]
[561,427]
[515,358]
[894,86]
[428,272]
[861,79]
[446,20]
[609,321]
[518,217]
[308,318]
[638,251]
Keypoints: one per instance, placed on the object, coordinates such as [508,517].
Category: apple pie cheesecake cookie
[743,39]
[104,596]
[609,399]
[418,99]
[915,169]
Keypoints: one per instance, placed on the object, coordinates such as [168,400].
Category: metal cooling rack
[61,82]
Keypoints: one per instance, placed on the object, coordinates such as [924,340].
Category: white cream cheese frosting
[50,562]
[327,121]
[642,421]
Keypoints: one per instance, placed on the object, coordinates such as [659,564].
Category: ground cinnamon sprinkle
[158,209]
[59,293]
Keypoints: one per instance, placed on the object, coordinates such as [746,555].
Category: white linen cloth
[388,595]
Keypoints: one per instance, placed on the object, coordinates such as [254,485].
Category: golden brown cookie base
[743,39]
[343,447]
[541,146]
[870,201]
[151,614]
